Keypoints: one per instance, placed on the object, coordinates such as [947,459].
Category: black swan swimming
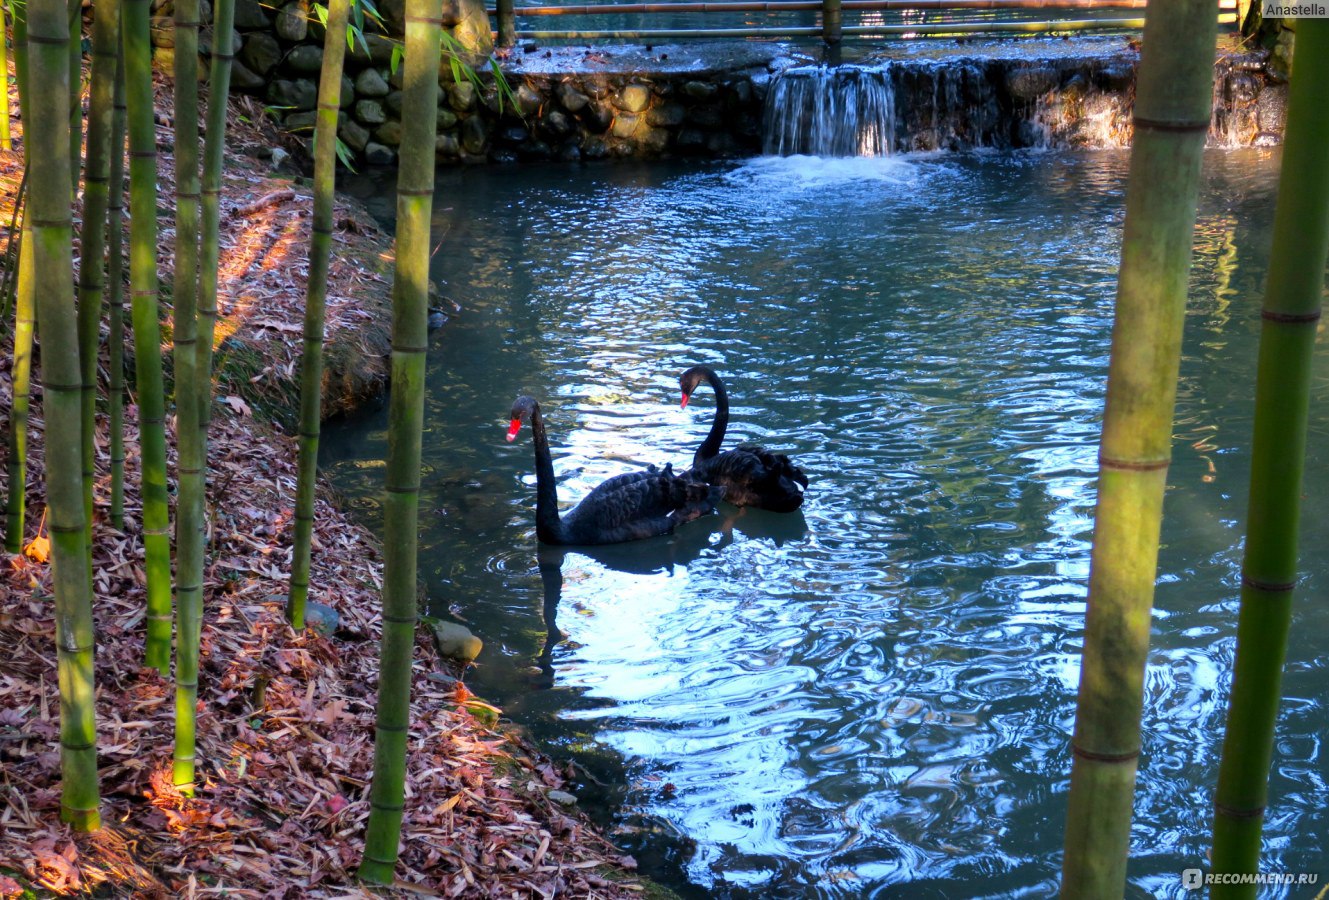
[750,475]
[624,508]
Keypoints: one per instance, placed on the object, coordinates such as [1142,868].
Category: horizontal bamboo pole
[928,30]
[778,6]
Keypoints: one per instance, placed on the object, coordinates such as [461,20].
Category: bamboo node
[1129,756]
[1270,315]
[1164,125]
[1271,587]
[1231,812]
[1134,465]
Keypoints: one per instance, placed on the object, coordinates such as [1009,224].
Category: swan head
[688,381]
[522,410]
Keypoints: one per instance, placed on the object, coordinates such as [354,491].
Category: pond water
[872,697]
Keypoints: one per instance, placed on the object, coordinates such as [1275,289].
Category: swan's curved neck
[711,446]
[547,524]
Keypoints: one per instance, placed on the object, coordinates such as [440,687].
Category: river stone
[1026,85]
[353,135]
[503,156]
[572,99]
[570,152]
[461,96]
[594,148]
[301,122]
[392,103]
[700,90]
[634,98]
[163,59]
[369,112]
[293,23]
[205,42]
[655,140]
[667,115]
[690,140]
[562,798]
[244,80]
[371,84]
[347,95]
[261,53]
[528,101]
[741,91]
[250,15]
[474,136]
[378,155]
[389,133]
[512,133]
[446,146]
[321,618]
[557,123]
[446,119]
[305,59]
[379,52]
[300,93]
[454,641]
[162,32]
[625,125]
[597,117]
[706,116]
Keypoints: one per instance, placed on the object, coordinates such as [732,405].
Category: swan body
[624,508]
[750,475]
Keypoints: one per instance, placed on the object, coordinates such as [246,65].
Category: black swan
[750,475]
[624,508]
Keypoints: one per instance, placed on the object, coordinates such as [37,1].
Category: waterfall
[830,112]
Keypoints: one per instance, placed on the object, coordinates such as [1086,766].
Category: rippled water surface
[873,697]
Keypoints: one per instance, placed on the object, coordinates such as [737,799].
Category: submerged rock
[453,641]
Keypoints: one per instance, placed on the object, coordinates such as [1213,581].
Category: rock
[306,59]
[205,42]
[461,96]
[377,154]
[389,133]
[437,319]
[1027,85]
[446,146]
[261,53]
[634,98]
[372,85]
[163,58]
[162,32]
[353,135]
[690,140]
[379,52]
[700,90]
[446,119]
[369,112]
[321,618]
[394,15]
[453,641]
[301,122]
[300,93]
[706,116]
[528,101]
[556,123]
[625,125]
[667,115]
[563,798]
[569,152]
[741,92]
[594,148]
[244,80]
[572,99]
[278,156]
[512,133]
[392,103]
[250,15]
[655,140]
[293,23]
[597,117]
[474,136]
[347,95]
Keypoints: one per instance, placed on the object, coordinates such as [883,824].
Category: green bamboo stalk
[53,236]
[91,273]
[147,330]
[219,84]
[116,300]
[1172,110]
[320,251]
[190,502]
[24,319]
[76,92]
[415,194]
[5,142]
[1282,392]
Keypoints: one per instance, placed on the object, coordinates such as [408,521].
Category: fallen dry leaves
[285,720]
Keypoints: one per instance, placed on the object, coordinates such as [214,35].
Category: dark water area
[873,697]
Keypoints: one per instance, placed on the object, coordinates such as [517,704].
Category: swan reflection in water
[656,556]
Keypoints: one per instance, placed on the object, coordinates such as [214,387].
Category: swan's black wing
[632,477]
[637,505]
[753,476]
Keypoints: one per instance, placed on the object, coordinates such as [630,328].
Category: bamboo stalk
[415,194]
[5,142]
[832,22]
[116,295]
[1172,111]
[25,323]
[53,237]
[189,509]
[147,330]
[507,24]
[92,245]
[320,252]
[75,92]
[1282,390]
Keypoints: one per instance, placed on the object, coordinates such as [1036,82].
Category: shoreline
[286,719]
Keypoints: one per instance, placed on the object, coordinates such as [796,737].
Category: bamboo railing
[831,27]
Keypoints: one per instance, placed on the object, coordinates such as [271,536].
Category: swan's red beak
[684,404]
[513,427]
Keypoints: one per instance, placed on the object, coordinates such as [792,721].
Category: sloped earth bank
[285,719]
